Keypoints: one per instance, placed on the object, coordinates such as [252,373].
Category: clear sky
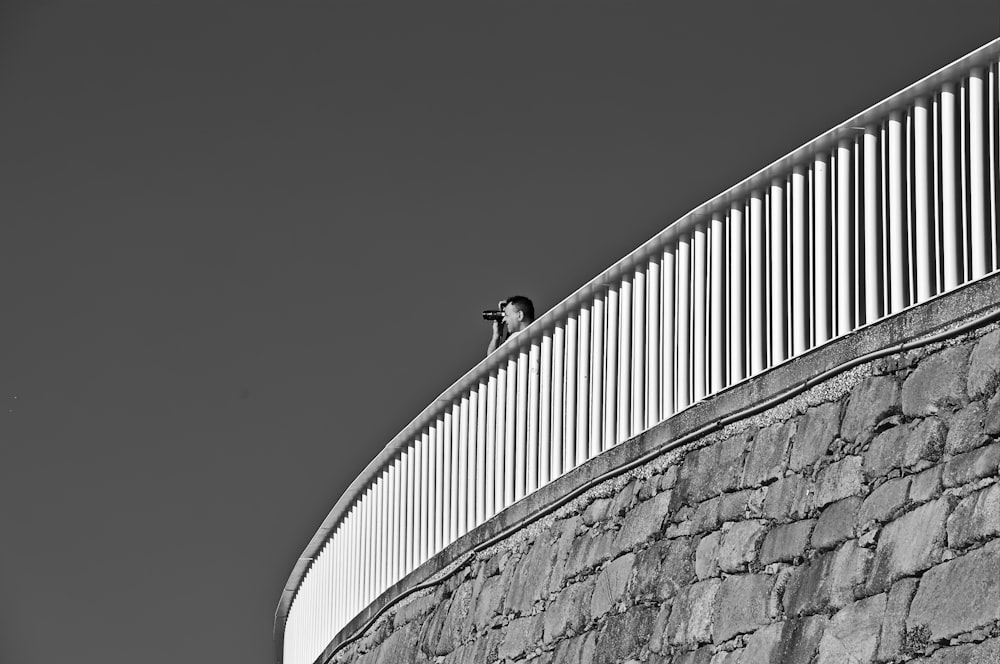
[242,244]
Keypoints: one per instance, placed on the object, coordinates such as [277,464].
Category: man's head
[518,313]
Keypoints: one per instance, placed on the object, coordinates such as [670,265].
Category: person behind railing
[518,313]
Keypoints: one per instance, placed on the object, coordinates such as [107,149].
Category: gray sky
[242,244]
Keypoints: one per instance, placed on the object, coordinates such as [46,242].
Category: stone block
[976,517]
[897,605]
[488,602]
[610,584]
[926,485]
[800,638]
[566,547]
[764,646]
[852,634]
[741,606]
[788,498]
[958,596]
[569,610]
[522,635]
[925,441]
[706,560]
[712,470]
[739,505]
[972,466]
[966,429]
[838,480]
[706,516]
[827,582]
[984,366]
[702,601]
[597,511]
[624,635]
[836,523]
[991,420]
[910,544]
[457,625]
[592,548]
[885,452]
[765,460]
[884,502]
[531,578]
[624,499]
[987,652]
[814,434]
[398,648]
[663,568]
[739,545]
[643,522]
[702,655]
[579,650]
[658,638]
[787,542]
[875,398]
[937,383]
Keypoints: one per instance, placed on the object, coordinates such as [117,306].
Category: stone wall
[859,522]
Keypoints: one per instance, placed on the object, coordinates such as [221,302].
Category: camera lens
[492,314]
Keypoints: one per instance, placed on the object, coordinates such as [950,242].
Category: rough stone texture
[987,652]
[766,459]
[570,610]
[852,635]
[814,435]
[711,470]
[836,523]
[643,522]
[742,605]
[937,383]
[663,569]
[828,581]
[874,399]
[884,501]
[966,429]
[910,544]
[984,366]
[959,595]
[624,635]
[894,622]
[972,466]
[610,584]
[522,635]
[706,562]
[838,480]
[926,485]
[992,417]
[925,441]
[739,505]
[785,543]
[532,577]
[789,498]
[597,511]
[739,545]
[975,518]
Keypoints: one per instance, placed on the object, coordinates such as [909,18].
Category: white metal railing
[887,210]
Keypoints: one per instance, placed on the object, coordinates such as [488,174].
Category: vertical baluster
[737,294]
[493,419]
[597,349]
[979,244]
[624,358]
[559,397]
[408,499]
[583,385]
[637,396]
[521,425]
[611,373]
[951,232]
[531,461]
[871,240]
[717,350]
[466,463]
[478,406]
[683,318]
[993,105]
[510,429]
[654,341]
[424,482]
[699,269]
[444,479]
[758,267]
[779,271]
[456,495]
[821,232]
[845,240]
[569,423]
[800,266]
[500,458]
[668,368]
[437,509]
[898,268]
[545,412]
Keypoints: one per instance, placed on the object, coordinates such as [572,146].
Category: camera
[492,314]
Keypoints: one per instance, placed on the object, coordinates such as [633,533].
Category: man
[518,313]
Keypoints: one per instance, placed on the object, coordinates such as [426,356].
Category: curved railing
[887,210]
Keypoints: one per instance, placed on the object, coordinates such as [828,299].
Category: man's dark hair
[524,305]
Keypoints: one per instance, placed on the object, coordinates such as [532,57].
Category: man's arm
[497,338]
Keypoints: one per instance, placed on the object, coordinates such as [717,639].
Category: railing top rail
[983,56]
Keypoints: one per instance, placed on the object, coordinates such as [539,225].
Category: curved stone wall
[858,521]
